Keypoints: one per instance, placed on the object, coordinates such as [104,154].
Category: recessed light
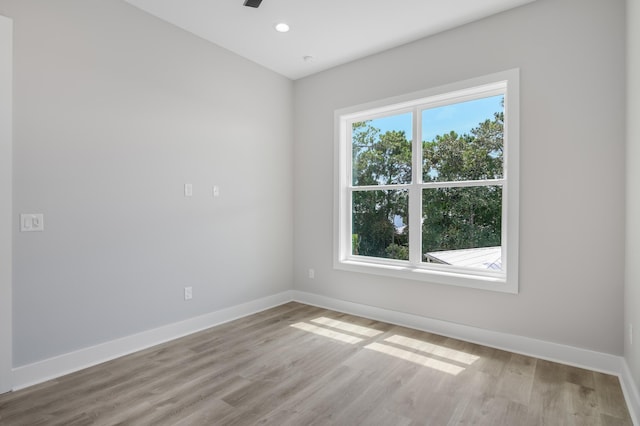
[282,27]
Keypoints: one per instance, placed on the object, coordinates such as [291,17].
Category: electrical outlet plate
[30,222]
[188,293]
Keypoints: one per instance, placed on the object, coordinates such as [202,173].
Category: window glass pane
[462,226]
[380,221]
[463,141]
[382,150]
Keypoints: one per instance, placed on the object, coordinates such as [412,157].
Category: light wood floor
[301,365]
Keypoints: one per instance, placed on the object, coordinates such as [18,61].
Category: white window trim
[503,281]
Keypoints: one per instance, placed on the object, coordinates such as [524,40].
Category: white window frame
[506,280]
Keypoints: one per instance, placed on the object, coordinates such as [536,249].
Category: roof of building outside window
[482,258]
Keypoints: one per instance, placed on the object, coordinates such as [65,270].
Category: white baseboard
[51,368]
[583,358]
[631,393]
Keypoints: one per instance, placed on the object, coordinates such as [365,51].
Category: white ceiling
[333,32]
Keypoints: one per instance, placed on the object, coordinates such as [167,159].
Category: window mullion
[463,183]
[415,193]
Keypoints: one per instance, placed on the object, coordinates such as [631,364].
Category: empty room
[296,212]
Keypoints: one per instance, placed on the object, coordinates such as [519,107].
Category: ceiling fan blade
[252,3]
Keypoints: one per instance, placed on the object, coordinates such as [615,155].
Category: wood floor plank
[303,365]
[516,381]
[614,421]
[584,405]
[610,397]
[482,411]
[430,397]
[550,399]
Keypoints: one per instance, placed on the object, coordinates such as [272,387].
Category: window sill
[460,279]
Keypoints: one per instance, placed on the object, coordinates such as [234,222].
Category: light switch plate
[30,222]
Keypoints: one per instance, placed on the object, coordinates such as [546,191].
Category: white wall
[571,57]
[632,288]
[114,112]
[6,43]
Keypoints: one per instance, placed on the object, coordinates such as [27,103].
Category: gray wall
[114,111]
[6,214]
[632,289]
[571,55]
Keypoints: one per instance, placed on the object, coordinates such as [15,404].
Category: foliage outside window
[423,190]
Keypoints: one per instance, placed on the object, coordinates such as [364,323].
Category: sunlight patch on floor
[430,348]
[325,332]
[416,358]
[345,326]
[417,351]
